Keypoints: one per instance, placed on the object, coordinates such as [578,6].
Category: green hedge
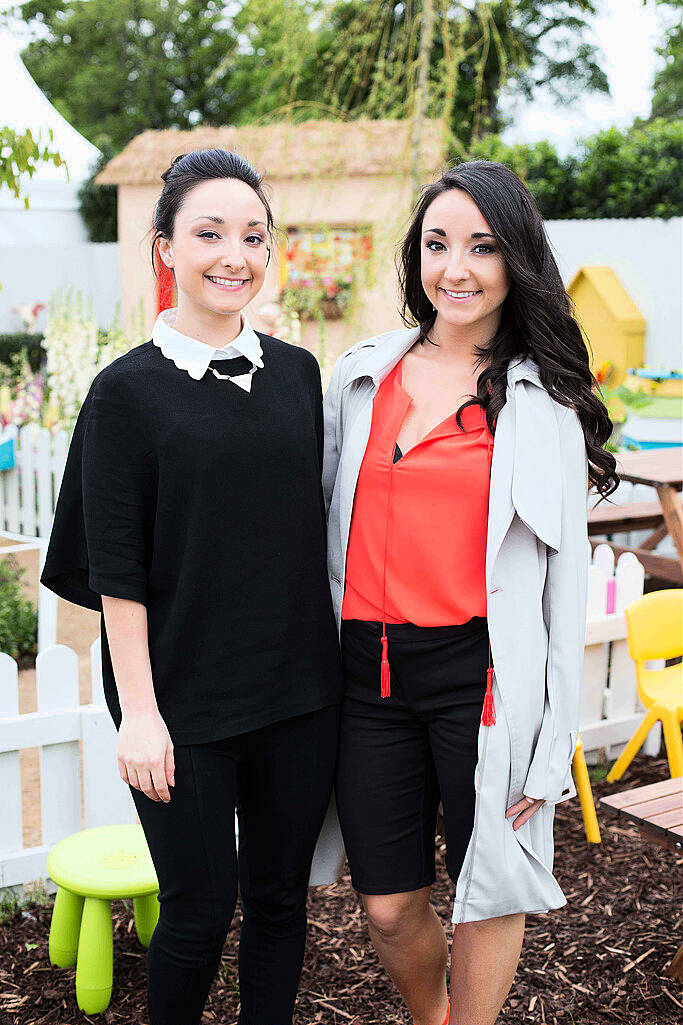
[637,172]
[13,344]
[18,615]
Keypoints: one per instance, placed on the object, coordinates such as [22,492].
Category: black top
[204,503]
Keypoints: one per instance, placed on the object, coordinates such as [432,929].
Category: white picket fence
[56,728]
[610,713]
[28,492]
[610,710]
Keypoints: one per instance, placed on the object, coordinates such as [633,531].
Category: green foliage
[667,100]
[10,906]
[364,58]
[632,173]
[18,616]
[13,345]
[99,202]
[550,179]
[118,67]
[19,153]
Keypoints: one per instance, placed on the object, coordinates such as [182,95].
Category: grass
[10,904]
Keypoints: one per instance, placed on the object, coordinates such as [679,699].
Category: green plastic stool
[92,868]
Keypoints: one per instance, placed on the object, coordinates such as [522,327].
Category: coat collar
[376,358]
[529,442]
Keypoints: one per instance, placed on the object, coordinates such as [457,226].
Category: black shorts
[399,755]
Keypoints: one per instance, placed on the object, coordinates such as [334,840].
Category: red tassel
[488,715]
[385,675]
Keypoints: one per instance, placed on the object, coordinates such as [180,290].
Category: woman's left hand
[527,806]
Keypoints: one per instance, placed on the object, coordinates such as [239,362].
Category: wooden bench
[619,519]
[657,810]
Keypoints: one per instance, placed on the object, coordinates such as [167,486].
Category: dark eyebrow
[219,220]
[475,234]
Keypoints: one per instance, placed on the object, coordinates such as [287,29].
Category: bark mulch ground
[598,960]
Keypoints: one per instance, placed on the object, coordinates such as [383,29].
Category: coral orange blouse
[417,541]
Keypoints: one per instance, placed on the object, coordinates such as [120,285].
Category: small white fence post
[610,709]
[60,799]
[11,834]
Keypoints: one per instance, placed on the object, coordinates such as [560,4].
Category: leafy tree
[631,173]
[99,203]
[550,179]
[366,58]
[667,100]
[119,67]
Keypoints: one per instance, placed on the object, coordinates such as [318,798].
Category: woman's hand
[528,806]
[145,754]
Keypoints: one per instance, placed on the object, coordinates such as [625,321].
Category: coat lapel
[536,485]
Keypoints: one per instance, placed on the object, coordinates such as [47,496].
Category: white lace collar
[193,356]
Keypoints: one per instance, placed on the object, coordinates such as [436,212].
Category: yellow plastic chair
[654,630]
[585,793]
[92,868]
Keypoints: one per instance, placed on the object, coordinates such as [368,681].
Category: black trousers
[280,779]
[399,755]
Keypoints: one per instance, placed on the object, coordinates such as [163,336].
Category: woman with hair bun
[191,514]
[458,456]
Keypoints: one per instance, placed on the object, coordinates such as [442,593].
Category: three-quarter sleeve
[101,540]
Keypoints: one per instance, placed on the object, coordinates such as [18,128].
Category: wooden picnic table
[657,810]
[661,469]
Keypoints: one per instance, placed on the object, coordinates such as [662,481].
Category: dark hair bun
[167,172]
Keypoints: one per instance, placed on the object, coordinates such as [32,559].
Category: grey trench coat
[536,583]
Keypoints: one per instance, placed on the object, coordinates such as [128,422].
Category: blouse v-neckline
[442,425]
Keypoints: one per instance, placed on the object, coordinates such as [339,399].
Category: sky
[627,32]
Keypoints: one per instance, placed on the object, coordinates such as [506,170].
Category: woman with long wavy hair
[458,456]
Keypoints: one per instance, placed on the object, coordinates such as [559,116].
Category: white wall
[647,257]
[30,274]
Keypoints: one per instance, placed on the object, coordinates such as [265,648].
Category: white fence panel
[45,500]
[10,513]
[60,799]
[56,729]
[29,490]
[11,837]
[610,709]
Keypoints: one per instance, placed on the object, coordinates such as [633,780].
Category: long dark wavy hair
[201,165]
[538,317]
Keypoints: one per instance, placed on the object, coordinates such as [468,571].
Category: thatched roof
[310,149]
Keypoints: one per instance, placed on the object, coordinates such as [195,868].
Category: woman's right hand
[145,754]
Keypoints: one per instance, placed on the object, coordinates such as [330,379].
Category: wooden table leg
[673,515]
